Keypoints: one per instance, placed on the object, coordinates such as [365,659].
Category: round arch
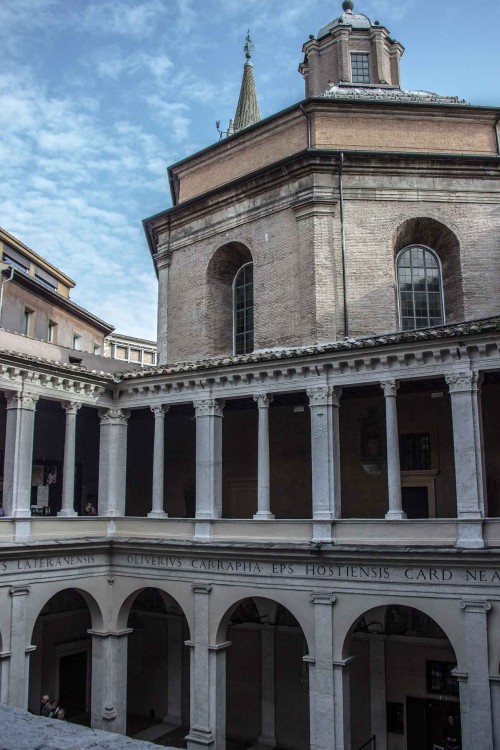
[436,236]
[437,609]
[221,271]
[48,593]
[128,602]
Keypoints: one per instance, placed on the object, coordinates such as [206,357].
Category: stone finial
[248,46]
[347,6]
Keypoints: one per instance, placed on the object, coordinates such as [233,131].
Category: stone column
[342,36]
[467,443]
[342,703]
[390,388]
[264,487]
[163,263]
[325,456]
[19,453]
[268,686]
[113,461]
[68,493]
[378,690]
[174,671]
[477,725]
[4,675]
[19,651]
[322,696]
[157,510]
[495,708]
[208,414]
[208,679]
[381,65]
[109,680]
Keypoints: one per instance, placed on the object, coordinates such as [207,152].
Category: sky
[98,97]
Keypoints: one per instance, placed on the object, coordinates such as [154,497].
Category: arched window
[420,288]
[243,310]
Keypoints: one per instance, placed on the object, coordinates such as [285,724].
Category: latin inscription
[315,570]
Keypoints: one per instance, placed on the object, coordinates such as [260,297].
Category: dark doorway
[427,723]
[415,502]
[73,684]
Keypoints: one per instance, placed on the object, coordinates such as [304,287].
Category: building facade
[298,515]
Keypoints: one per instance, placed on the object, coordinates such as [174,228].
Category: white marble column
[341,685]
[4,675]
[109,680]
[378,708]
[113,461]
[325,457]
[395,512]
[495,708]
[477,725]
[163,263]
[157,510]
[467,443]
[322,696]
[19,650]
[263,480]
[208,414]
[174,671]
[19,453]
[68,493]
[208,679]
[268,686]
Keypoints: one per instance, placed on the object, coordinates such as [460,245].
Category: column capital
[478,606]
[209,407]
[462,382]
[21,400]
[323,597]
[390,387]
[201,588]
[343,663]
[159,411]
[114,416]
[110,633]
[263,400]
[20,590]
[70,407]
[324,395]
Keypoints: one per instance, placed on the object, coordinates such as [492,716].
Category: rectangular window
[52,332]
[28,318]
[97,349]
[360,65]
[15,258]
[415,451]
[77,342]
[440,679]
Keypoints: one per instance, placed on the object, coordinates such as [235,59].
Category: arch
[436,236]
[263,605]
[128,602]
[450,625]
[221,271]
[94,607]
[418,272]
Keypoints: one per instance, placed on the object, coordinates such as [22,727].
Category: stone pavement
[20,730]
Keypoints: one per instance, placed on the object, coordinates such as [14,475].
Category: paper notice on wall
[42,496]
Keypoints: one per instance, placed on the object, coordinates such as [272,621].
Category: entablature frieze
[340,369]
[27,380]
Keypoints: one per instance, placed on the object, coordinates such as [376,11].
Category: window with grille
[360,66]
[415,451]
[243,309]
[420,288]
[440,679]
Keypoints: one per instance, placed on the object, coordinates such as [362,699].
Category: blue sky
[97,97]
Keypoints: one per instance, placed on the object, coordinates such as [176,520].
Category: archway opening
[402,687]
[157,669]
[267,690]
[61,664]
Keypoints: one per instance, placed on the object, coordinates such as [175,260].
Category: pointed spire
[247,111]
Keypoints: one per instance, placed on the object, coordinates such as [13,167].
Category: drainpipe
[308,121]
[4,267]
[497,136]
[342,234]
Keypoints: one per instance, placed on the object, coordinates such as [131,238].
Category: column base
[470,534]
[263,515]
[157,514]
[200,738]
[63,513]
[395,515]
[21,513]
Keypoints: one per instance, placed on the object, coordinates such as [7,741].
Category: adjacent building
[297,539]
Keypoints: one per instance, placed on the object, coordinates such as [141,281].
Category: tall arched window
[243,310]
[420,288]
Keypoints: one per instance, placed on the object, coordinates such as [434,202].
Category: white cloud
[136,19]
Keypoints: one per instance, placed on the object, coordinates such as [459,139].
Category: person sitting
[54,708]
[61,714]
[44,705]
[90,510]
